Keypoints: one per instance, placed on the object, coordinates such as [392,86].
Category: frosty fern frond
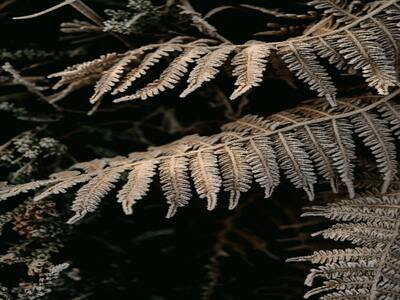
[370,270]
[368,42]
[310,140]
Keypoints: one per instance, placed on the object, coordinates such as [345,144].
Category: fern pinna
[365,41]
[311,139]
[370,270]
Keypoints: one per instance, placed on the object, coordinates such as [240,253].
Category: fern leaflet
[369,271]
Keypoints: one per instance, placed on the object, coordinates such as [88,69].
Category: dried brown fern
[312,139]
[367,41]
[370,270]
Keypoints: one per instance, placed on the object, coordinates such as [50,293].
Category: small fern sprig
[311,139]
[368,42]
[370,270]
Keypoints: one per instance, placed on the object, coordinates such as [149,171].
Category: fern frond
[378,137]
[206,178]
[295,162]
[390,114]
[312,138]
[175,182]
[301,59]
[386,34]
[8,191]
[148,61]
[366,40]
[63,186]
[341,151]
[336,8]
[250,64]
[336,255]
[235,172]
[137,185]
[80,71]
[89,196]
[110,78]
[170,76]
[318,145]
[262,160]
[326,49]
[207,68]
[362,51]
[367,272]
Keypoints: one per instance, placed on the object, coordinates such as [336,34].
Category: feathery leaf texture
[170,76]
[306,143]
[206,68]
[301,60]
[89,196]
[206,178]
[262,160]
[235,172]
[337,8]
[367,40]
[175,182]
[370,270]
[250,63]
[137,185]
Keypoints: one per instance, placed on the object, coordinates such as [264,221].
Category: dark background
[146,256]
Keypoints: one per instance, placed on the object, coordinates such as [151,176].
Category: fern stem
[43,12]
[294,126]
[280,130]
[83,9]
[383,258]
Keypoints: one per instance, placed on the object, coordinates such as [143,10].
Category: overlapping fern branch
[312,139]
[370,270]
[368,42]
